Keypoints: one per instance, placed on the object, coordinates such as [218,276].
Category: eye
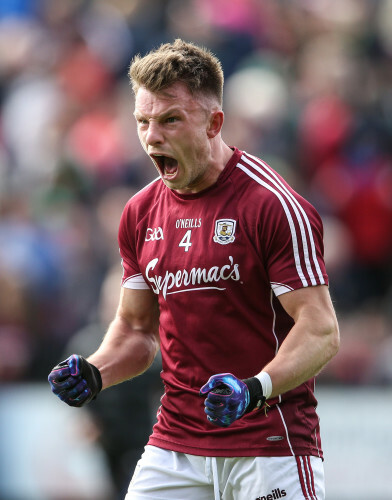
[172,119]
[142,121]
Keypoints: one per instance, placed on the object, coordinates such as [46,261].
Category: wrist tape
[256,397]
[266,383]
[260,389]
[98,378]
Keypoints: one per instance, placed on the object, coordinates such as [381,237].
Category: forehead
[156,103]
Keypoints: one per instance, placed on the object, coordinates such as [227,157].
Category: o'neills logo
[274,495]
[187,281]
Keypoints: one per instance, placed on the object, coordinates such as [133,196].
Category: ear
[215,124]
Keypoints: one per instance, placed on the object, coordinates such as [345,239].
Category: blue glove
[229,398]
[75,381]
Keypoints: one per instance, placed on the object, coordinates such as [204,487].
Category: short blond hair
[197,67]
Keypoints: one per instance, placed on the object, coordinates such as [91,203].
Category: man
[223,269]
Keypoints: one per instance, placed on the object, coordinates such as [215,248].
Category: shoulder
[139,205]
[266,188]
[148,193]
[141,202]
[271,209]
[260,177]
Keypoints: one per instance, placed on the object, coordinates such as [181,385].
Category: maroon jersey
[217,261]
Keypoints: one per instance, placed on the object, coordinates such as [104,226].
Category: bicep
[313,300]
[313,314]
[132,339]
[139,309]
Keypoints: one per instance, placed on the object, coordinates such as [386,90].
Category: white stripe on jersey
[256,165]
[135,282]
[285,428]
[274,323]
[318,418]
[289,219]
[146,186]
[279,184]
[280,288]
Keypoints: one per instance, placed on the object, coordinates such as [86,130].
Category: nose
[154,134]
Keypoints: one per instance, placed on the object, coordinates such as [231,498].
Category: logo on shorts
[224,231]
[274,495]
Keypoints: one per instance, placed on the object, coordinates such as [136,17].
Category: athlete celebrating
[224,271]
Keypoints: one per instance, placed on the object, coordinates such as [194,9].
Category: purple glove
[75,381]
[227,399]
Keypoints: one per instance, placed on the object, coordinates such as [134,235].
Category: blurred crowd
[308,87]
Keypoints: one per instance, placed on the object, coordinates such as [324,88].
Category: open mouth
[168,166]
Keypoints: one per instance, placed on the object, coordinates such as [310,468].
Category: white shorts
[168,475]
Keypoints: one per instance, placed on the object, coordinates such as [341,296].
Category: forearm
[308,347]
[125,352]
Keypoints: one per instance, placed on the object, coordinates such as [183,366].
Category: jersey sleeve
[132,277]
[294,244]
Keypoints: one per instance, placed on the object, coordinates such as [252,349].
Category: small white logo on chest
[224,231]
[154,234]
[187,223]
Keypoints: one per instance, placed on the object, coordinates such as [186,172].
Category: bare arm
[132,339]
[310,344]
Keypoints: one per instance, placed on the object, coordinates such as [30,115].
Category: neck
[221,154]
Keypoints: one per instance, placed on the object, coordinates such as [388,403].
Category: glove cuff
[256,397]
[97,379]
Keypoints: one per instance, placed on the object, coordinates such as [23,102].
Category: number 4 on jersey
[186,241]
